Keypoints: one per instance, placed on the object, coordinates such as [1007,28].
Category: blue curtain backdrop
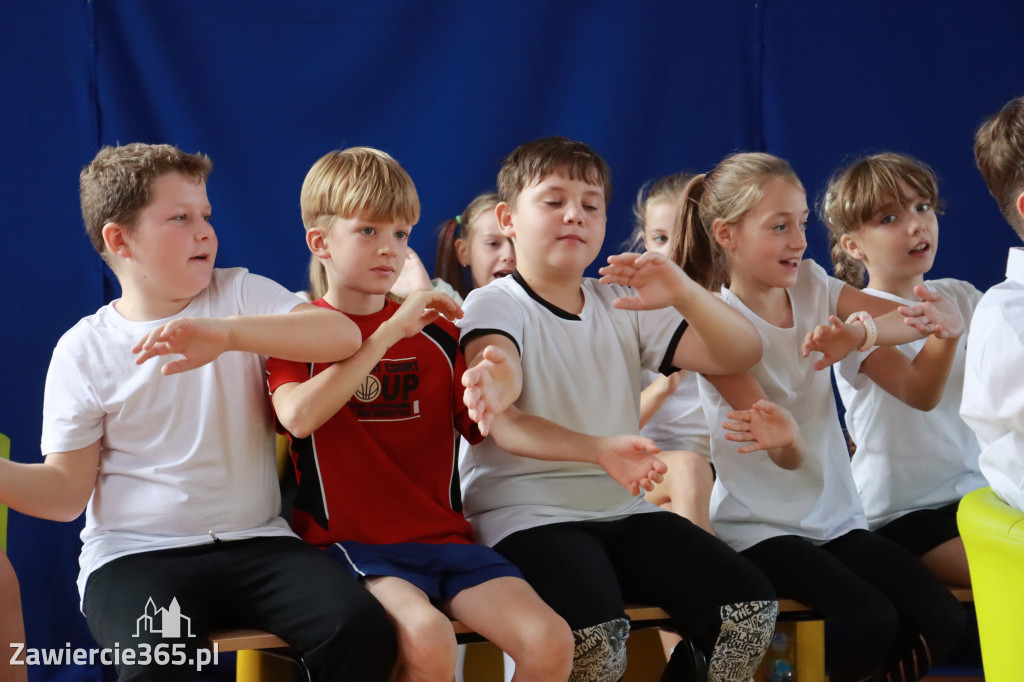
[448,88]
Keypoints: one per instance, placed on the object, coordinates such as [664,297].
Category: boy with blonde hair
[373,438]
[175,469]
[554,343]
[993,402]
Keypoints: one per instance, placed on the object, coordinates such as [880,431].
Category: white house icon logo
[166,622]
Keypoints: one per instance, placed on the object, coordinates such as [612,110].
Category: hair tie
[458,219]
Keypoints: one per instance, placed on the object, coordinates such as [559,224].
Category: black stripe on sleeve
[667,367]
[477,333]
[444,340]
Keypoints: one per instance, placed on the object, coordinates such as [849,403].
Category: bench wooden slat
[239,640]
[641,616]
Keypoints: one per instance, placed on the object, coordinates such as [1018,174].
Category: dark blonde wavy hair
[857,191]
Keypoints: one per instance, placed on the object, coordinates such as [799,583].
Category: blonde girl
[670,410]
[472,244]
[793,509]
[915,457]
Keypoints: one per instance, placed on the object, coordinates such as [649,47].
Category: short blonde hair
[735,185]
[999,153]
[354,182]
[358,181]
[118,183]
[532,162]
[857,191]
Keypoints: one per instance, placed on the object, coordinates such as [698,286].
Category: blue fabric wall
[266,87]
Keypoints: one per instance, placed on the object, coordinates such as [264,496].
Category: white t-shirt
[680,423]
[993,403]
[181,456]
[907,459]
[753,498]
[579,371]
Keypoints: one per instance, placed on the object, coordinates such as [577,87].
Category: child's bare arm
[493,380]
[894,324]
[920,382]
[629,459]
[771,426]
[57,489]
[307,334]
[655,395]
[719,341]
[304,407]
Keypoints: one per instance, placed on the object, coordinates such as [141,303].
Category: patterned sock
[747,629]
[600,654]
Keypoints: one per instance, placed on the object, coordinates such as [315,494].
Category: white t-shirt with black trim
[579,371]
[906,459]
[181,456]
[753,498]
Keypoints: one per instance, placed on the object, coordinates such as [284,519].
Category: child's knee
[600,652]
[546,647]
[427,644]
[692,465]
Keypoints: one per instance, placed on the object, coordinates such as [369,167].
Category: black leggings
[279,584]
[891,617]
[587,570]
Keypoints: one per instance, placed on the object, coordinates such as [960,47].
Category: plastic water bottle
[780,662]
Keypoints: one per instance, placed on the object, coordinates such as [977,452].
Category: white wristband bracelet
[870,328]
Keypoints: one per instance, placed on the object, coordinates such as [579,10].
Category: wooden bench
[810,636]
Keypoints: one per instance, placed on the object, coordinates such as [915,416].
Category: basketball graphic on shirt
[369,389]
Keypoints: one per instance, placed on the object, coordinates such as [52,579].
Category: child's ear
[462,251]
[115,236]
[725,234]
[1020,204]
[316,243]
[504,213]
[851,247]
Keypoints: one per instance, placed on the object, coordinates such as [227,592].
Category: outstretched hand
[413,277]
[482,397]
[834,341]
[420,309]
[658,281]
[765,426]
[631,461]
[199,339]
[934,315]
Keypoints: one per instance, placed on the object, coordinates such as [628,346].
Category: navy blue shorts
[441,571]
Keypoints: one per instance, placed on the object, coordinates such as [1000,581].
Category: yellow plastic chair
[993,534]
